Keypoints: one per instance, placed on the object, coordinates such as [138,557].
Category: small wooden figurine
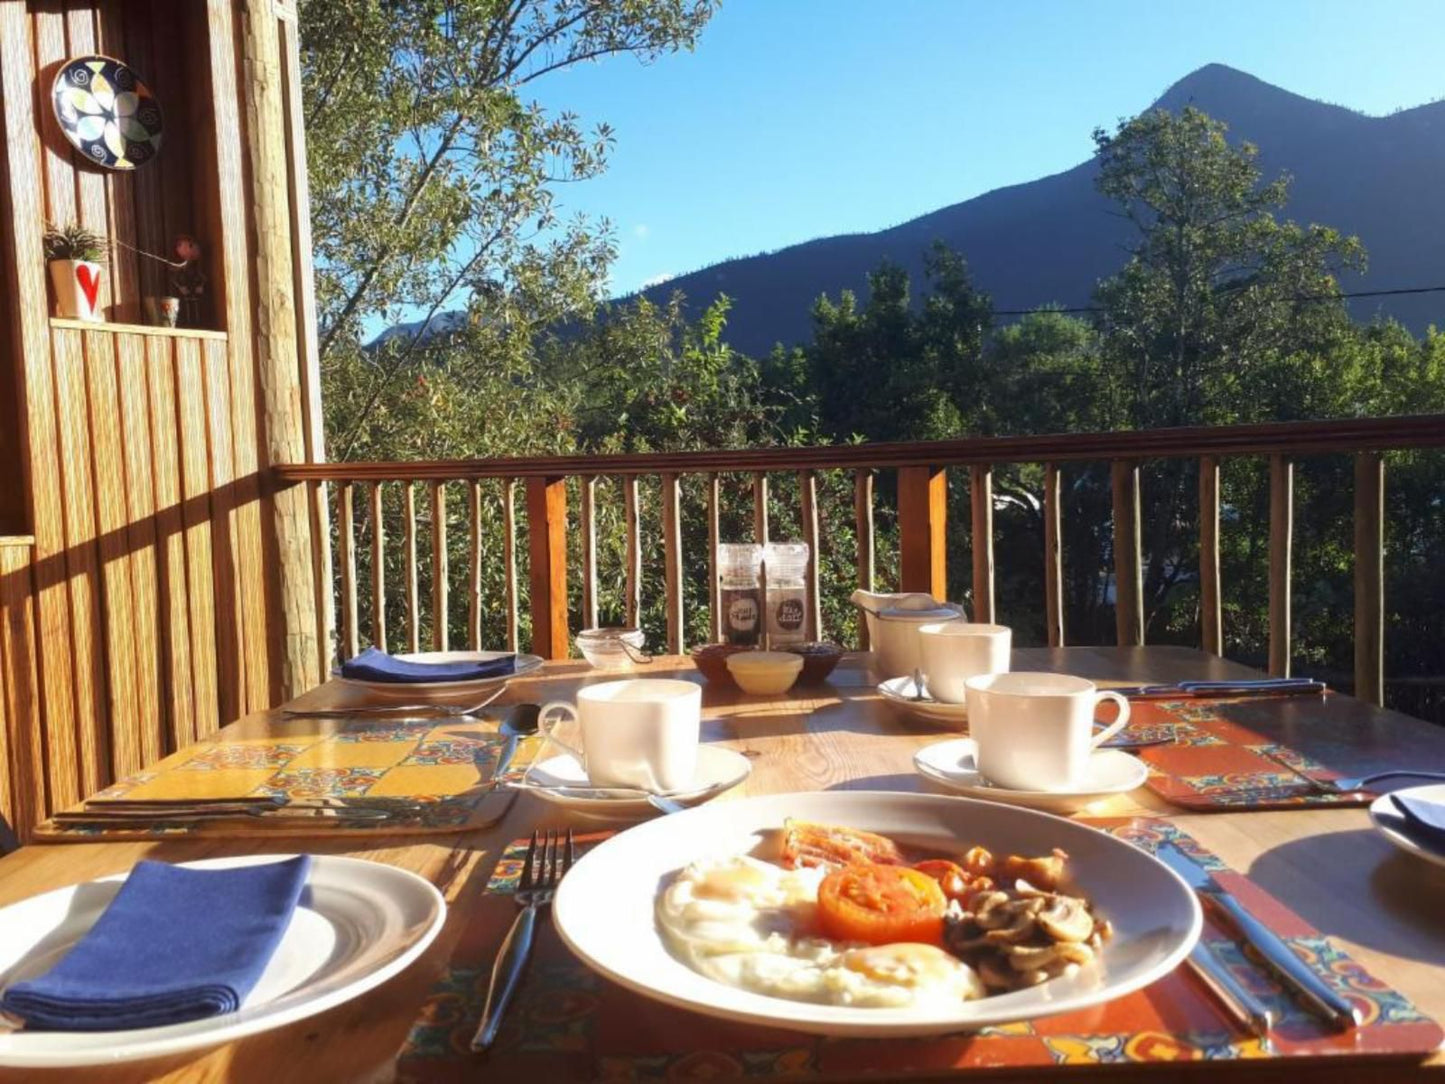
[188,282]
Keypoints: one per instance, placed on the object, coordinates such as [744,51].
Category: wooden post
[1053,555]
[509,558]
[439,569]
[1281,531]
[808,487]
[922,527]
[981,506]
[413,602]
[1370,577]
[631,513]
[589,551]
[378,569]
[714,538]
[474,563]
[1128,582]
[346,532]
[863,531]
[760,509]
[672,563]
[547,547]
[278,363]
[1211,612]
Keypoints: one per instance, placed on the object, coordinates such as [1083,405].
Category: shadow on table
[900,781]
[1374,894]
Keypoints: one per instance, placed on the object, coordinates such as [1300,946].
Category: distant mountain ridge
[1050,240]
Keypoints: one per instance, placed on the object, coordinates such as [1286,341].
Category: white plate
[718,769]
[605,906]
[952,764]
[358,924]
[899,692]
[459,692]
[1389,821]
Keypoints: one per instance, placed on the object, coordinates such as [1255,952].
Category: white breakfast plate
[953,764]
[718,769]
[1390,822]
[358,924]
[459,692]
[899,692]
[605,907]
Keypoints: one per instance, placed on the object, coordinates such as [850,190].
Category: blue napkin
[1424,820]
[174,945]
[373,664]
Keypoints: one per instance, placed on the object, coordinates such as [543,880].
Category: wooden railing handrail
[1272,438]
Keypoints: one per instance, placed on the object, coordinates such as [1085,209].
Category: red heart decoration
[89,284]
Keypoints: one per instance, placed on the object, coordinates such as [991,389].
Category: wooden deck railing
[922,521]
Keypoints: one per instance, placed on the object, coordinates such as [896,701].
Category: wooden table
[1385,908]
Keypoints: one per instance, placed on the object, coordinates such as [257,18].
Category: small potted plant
[77,259]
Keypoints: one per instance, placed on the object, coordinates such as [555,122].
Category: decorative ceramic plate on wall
[106,112]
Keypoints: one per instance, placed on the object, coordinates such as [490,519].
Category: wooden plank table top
[1382,906]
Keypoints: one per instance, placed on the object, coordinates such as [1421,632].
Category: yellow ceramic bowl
[765,673]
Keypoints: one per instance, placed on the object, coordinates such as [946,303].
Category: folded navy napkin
[174,945]
[373,664]
[1425,820]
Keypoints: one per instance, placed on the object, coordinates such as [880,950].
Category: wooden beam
[588,486]
[1370,577]
[509,558]
[980,494]
[672,562]
[1211,607]
[714,539]
[808,512]
[1053,555]
[378,568]
[346,540]
[474,564]
[1128,563]
[547,547]
[413,601]
[632,559]
[863,532]
[760,508]
[1281,533]
[922,530]
[440,573]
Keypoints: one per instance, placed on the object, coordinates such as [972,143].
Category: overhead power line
[1301,297]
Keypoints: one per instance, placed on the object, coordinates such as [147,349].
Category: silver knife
[1287,967]
[1243,1004]
[1185,690]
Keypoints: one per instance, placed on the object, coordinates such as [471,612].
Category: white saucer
[899,692]
[1390,822]
[718,769]
[951,764]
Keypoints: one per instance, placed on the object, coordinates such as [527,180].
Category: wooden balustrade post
[1370,577]
[981,507]
[413,604]
[863,531]
[672,563]
[632,558]
[474,584]
[440,573]
[714,538]
[588,489]
[1281,532]
[922,527]
[1128,564]
[509,558]
[378,570]
[1053,555]
[760,508]
[1211,612]
[808,487]
[346,534]
[547,548]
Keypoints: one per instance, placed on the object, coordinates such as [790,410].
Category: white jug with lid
[893,621]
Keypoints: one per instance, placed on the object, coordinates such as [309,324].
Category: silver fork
[549,857]
[448,711]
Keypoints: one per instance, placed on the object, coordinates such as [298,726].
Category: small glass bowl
[607,648]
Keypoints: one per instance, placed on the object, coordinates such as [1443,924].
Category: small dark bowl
[819,659]
[711,661]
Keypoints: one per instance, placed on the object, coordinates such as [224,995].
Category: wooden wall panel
[22,791]
[215,391]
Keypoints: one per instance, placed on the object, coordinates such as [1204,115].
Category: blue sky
[802,118]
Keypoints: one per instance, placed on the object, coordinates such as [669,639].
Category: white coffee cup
[1035,731]
[639,733]
[951,652]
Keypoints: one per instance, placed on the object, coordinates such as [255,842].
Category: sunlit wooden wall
[153,584]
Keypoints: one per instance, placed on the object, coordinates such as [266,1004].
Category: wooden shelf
[137,329]
[18,540]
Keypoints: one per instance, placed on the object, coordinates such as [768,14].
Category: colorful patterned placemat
[569,1024]
[442,768]
[1215,761]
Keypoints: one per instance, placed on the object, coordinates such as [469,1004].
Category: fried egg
[751,925]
